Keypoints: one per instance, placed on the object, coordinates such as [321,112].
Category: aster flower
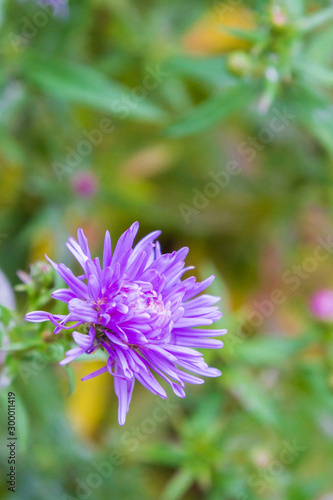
[138,310]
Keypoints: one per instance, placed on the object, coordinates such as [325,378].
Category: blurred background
[213,122]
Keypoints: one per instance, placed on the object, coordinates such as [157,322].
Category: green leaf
[164,454]
[211,70]
[84,85]
[71,379]
[248,35]
[252,396]
[315,72]
[205,416]
[178,485]
[313,111]
[295,8]
[319,47]
[5,315]
[315,20]
[265,351]
[22,346]
[219,286]
[11,149]
[213,110]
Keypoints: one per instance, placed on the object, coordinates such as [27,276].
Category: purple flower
[321,304]
[136,308]
[60,7]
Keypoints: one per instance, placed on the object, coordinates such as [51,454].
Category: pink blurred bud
[321,305]
[84,184]
[279,17]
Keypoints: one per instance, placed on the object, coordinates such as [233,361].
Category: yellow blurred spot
[313,353]
[42,243]
[148,162]
[87,405]
[10,180]
[207,35]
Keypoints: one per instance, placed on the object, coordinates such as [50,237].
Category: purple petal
[125,242]
[95,373]
[107,251]
[123,389]
[63,294]
[40,316]
[83,242]
[82,311]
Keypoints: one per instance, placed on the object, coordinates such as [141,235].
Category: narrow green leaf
[269,351]
[5,315]
[319,47]
[313,111]
[252,396]
[178,485]
[316,20]
[315,72]
[252,36]
[22,346]
[296,8]
[71,378]
[211,70]
[167,455]
[215,109]
[84,85]
[11,148]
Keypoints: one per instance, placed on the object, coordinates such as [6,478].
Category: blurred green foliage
[213,123]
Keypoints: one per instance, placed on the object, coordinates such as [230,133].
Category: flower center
[135,306]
